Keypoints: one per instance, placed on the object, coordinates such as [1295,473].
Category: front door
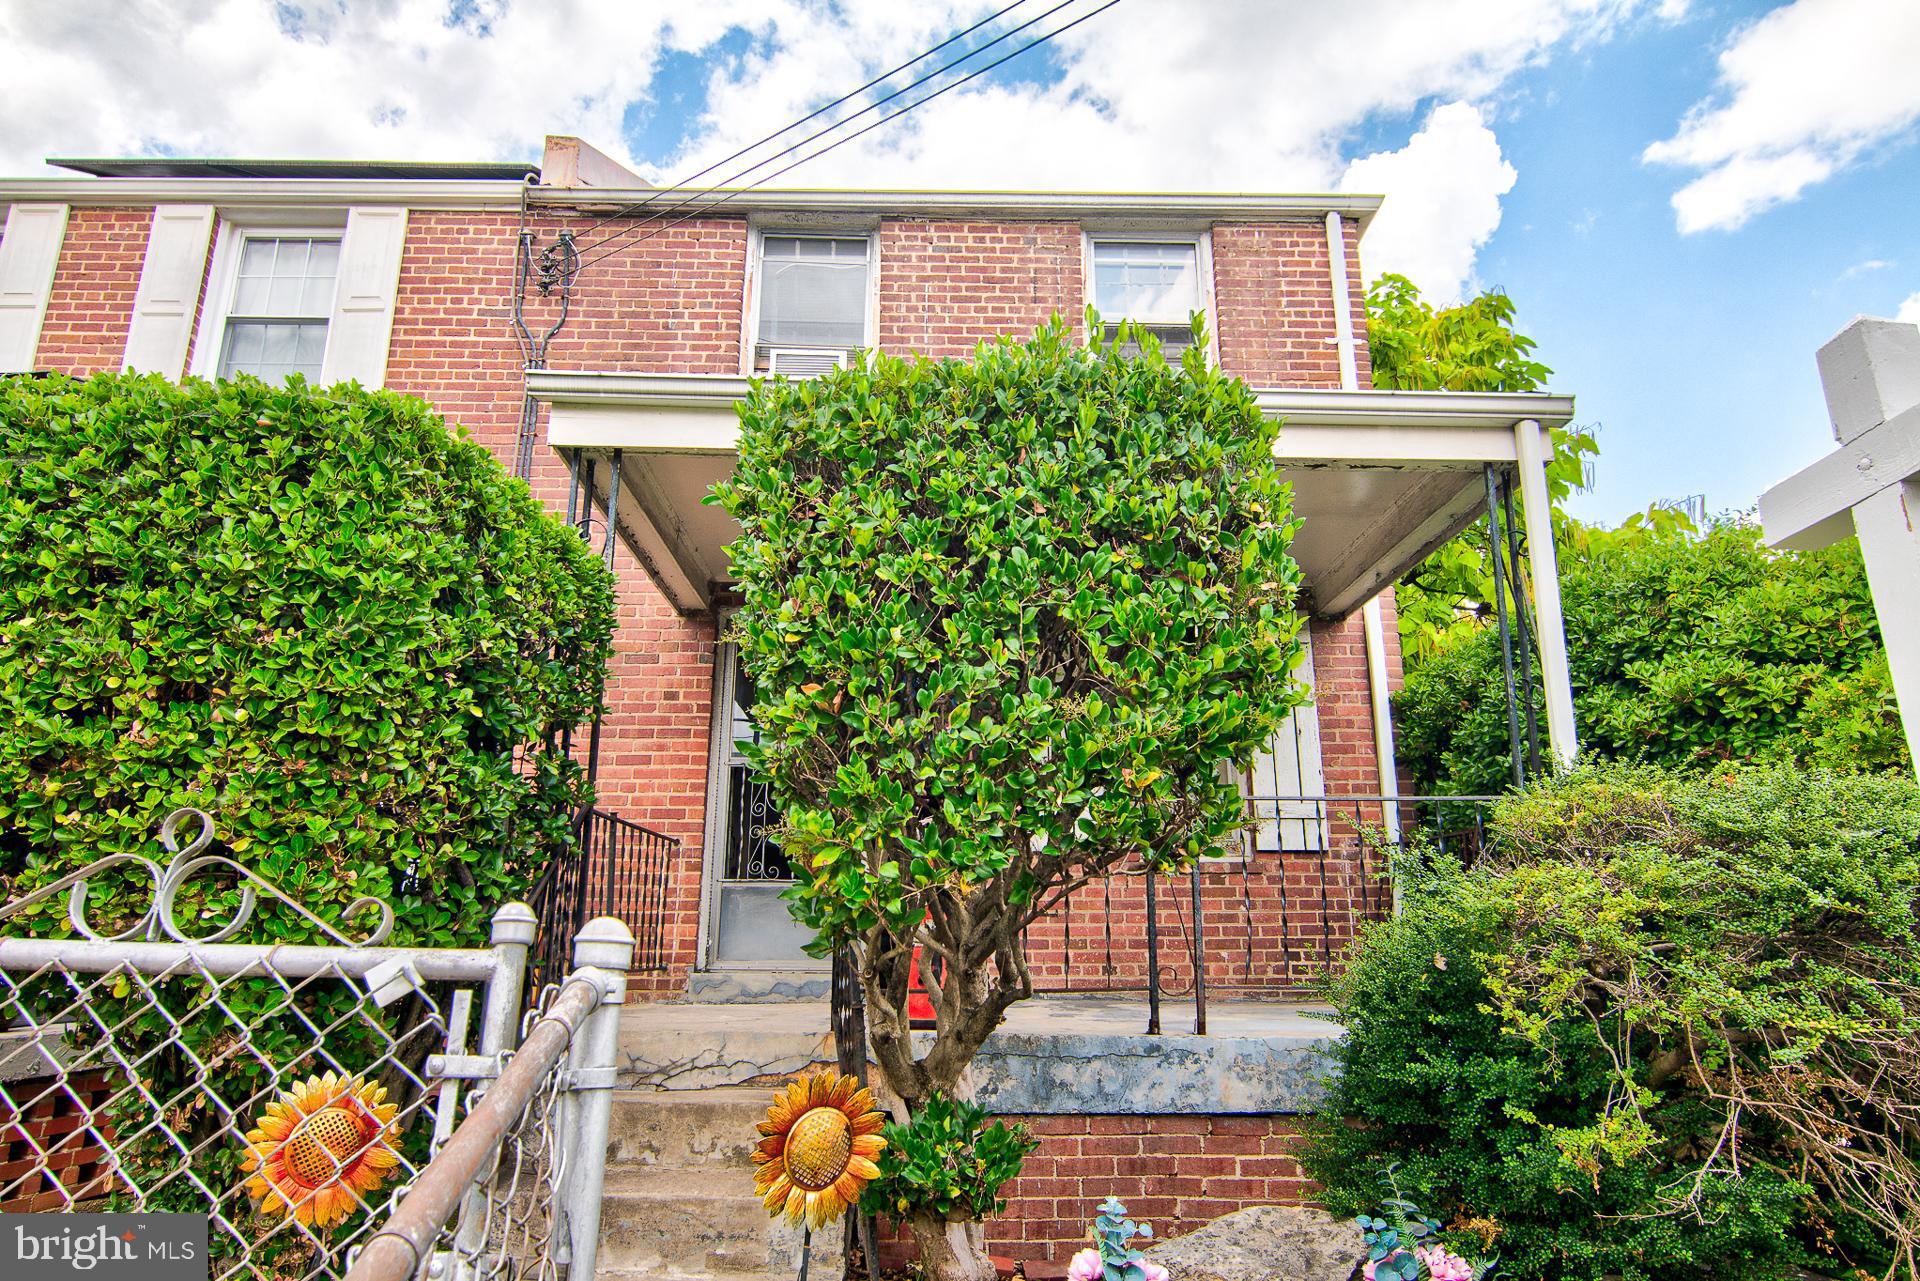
[748,925]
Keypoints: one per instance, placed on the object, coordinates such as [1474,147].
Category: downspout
[1378,689]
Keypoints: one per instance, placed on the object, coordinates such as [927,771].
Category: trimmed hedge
[321,615]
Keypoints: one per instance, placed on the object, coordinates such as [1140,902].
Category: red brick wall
[85,330]
[946,286]
[1275,314]
[1177,1173]
[51,1145]
[1270,923]
[670,304]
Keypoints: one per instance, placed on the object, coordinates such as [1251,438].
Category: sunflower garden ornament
[319,1148]
[822,1134]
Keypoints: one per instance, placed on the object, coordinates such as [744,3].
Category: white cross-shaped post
[1869,486]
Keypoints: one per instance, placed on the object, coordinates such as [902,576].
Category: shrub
[1670,1032]
[1682,652]
[947,1161]
[326,619]
[321,616]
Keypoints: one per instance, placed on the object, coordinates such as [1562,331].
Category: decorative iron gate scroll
[335,1108]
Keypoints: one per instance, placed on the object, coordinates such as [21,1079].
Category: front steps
[679,1203]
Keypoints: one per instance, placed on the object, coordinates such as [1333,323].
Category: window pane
[1157,283]
[813,292]
[272,349]
[286,276]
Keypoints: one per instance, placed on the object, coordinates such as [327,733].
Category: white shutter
[169,289]
[1291,767]
[29,253]
[362,320]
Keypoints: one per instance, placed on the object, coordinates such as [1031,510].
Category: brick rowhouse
[674,301]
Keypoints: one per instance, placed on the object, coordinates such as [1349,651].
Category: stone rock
[1265,1243]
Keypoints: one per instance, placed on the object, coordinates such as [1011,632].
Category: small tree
[1007,623]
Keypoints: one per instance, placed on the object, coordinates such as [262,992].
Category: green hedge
[1669,1033]
[321,615]
[1682,652]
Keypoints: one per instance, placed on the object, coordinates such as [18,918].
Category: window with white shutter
[277,314]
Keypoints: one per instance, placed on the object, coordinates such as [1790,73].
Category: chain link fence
[334,1108]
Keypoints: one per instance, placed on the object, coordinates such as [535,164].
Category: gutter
[264,193]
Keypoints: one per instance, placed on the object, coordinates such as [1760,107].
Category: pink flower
[1086,1266]
[1443,1264]
[1152,1271]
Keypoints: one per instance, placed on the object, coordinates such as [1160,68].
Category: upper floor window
[276,320]
[1157,283]
[814,294]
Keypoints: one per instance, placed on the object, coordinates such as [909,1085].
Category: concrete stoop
[679,1203]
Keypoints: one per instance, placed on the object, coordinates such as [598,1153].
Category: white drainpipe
[1377,685]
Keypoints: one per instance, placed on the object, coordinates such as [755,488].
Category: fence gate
[334,1106]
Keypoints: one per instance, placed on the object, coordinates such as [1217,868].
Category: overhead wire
[636,206]
[706,205]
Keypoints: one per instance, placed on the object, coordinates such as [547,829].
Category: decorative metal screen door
[747,922]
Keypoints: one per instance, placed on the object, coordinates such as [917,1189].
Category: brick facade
[54,1141]
[671,301]
[85,330]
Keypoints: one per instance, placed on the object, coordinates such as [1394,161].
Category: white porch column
[1531,448]
[1869,486]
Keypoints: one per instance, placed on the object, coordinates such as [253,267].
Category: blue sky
[1684,197]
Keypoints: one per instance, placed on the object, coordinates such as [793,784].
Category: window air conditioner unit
[804,362]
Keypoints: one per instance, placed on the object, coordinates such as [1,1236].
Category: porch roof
[1380,478]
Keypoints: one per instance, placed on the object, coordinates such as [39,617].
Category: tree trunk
[950,1250]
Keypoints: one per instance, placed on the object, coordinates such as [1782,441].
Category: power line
[840,142]
[845,120]
[845,97]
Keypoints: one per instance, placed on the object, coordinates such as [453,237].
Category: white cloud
[1447,183]
[1805,92]
[1909,313]
[1156,94]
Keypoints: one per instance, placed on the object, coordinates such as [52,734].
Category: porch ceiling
[1380,478]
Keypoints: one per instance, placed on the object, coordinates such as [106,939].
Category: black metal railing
[611,867]
[1269,919]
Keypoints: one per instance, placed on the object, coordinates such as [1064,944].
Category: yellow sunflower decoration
[822,1134]
[319,1148]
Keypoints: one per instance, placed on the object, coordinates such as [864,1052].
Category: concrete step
[676,1223]
[734,987]
[691,1131]
[692,1046]
[679,1202]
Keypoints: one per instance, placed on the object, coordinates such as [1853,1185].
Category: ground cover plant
[1671,1029]
[1006,619]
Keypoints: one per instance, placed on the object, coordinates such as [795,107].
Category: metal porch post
[1530,446]
[1494,551]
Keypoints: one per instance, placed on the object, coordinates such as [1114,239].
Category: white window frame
[750,301]
[230,240]
[1202,241]
[1301,827]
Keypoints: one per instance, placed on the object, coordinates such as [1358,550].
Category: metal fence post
[514,926]
[603,952]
